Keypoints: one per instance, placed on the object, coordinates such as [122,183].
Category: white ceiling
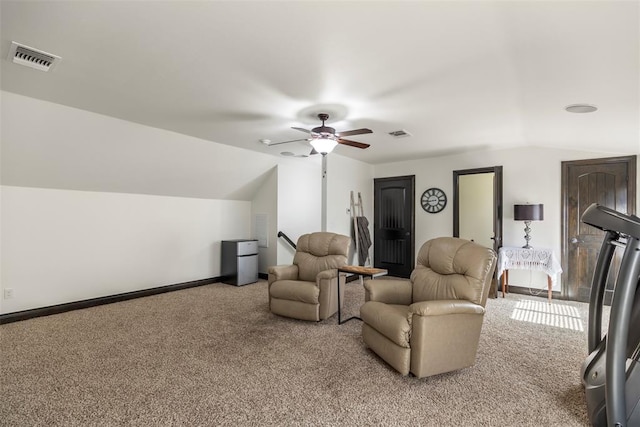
[456,75]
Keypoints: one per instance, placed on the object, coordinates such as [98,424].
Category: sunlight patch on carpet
[543,313]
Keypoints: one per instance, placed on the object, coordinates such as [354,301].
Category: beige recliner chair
[308,289]
[431,323]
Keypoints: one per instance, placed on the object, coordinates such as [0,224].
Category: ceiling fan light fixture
[324,145]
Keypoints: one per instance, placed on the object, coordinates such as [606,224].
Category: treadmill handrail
[616,225]
[607,219]
[598,287]
[620,315]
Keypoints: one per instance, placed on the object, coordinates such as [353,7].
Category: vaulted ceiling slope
[456,75]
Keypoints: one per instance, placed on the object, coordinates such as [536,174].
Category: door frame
[497,210]
[631,162]
[497,201]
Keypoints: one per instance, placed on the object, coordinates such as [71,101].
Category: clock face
[433,200]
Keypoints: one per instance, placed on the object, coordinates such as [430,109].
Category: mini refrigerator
[239,264]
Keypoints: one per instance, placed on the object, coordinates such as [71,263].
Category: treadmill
[611,372]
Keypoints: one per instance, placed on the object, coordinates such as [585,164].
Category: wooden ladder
[354,216]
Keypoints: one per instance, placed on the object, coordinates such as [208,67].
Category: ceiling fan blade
[301,129]
[354,132]
[286,142]
[353,143]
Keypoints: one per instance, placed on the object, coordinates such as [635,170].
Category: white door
[476,207]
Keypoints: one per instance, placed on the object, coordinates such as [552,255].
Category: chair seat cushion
[391,320]
[295,290]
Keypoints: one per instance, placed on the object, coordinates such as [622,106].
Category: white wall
[49,145]
[99,231]
[265,203]
[83,226]
[343,176]
[93,206]
[292,199]
[61,246]
[299,202]
[530,174]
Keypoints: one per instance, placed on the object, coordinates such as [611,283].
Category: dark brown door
[609,182]
[393,206]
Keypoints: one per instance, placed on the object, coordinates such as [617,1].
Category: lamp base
[527,235]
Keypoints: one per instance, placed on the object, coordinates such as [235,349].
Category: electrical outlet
[8,293]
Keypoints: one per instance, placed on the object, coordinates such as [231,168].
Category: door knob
[574,240]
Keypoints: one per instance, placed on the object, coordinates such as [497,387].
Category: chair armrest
[327,284]
[327,274]
[388,291]
[444,307]
[283,272]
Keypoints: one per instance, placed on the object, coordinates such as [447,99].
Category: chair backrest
[320,251]
[453,268]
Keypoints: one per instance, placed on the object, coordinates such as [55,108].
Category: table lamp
[528,213]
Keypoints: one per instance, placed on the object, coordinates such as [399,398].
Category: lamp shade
[528,212]
[323,145]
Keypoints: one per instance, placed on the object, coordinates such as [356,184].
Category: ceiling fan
[324,139]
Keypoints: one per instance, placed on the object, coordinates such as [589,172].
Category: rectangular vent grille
[399,133]
[34,58]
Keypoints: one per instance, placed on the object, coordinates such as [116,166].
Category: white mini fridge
[239,262]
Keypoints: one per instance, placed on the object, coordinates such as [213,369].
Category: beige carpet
[214,355]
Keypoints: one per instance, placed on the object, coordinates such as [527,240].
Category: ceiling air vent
[30,57]
[399,133]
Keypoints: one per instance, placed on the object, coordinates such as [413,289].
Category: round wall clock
[433,200]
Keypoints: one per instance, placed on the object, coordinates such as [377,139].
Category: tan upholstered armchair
[431,323]
[308,289]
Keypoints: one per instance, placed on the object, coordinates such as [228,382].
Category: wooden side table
[348,270]
[541,259]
